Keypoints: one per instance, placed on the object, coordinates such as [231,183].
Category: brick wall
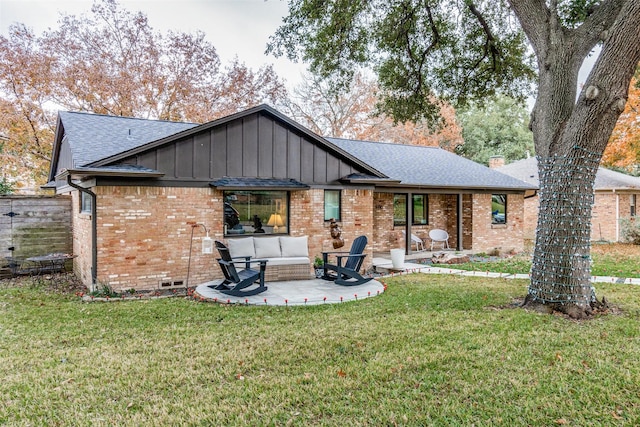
[144,233]
[307,218]
[489,237]
[604,225]
[82,247]
[531,207]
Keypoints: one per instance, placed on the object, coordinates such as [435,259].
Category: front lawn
[432,350]
[616,260]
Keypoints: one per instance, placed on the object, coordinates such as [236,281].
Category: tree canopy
[113,62]
[354,114]
[499,127]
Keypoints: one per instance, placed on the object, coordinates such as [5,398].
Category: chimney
[496,161]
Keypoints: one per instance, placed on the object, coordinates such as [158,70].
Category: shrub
[5,186]
[630,230]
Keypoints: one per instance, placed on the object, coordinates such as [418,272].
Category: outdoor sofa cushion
[294,246]
[267,247]
[292,250]
[241,247]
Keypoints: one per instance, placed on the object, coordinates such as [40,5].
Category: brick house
[138,187]
[615,198]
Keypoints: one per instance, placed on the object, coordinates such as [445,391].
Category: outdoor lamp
[207,244]
[275,221]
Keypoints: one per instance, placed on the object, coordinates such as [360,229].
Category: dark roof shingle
[92,137]
[427,166]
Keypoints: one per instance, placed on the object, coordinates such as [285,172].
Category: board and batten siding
[254,146]
[34,225]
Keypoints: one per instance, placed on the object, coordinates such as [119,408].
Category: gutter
[94,229]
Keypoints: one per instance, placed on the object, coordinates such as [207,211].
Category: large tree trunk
[570,137]
[561,270]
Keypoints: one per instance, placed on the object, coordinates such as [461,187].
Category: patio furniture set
[246,280]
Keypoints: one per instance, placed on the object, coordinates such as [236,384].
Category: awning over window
[229,183]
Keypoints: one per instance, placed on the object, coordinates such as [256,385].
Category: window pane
[399,209]
[256,212]
[420,209]
[332,205]
[498,209]
[85,202]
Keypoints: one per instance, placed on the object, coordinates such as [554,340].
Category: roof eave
[456,187]
[90,172]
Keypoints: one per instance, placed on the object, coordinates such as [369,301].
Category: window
[633,205]
[332,205]
[399,209]
[498,209]
[256,212]
[420,209]
[85,202]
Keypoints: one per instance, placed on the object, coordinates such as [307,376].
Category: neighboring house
[616,196]
[138,186]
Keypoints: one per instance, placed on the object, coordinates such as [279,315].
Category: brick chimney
[496,162]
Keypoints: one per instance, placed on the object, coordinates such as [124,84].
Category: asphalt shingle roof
[427,166]
[606,179]
[93,136]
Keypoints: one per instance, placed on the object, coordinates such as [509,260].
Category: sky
[235,27]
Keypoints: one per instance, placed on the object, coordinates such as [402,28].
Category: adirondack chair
[239,282]
[348,264]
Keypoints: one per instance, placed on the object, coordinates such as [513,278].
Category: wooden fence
[34,225]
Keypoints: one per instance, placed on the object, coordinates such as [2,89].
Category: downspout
[94,229]
[617,215]
[409,217]
[459,230]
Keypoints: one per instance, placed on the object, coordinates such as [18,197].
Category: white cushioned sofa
[288,257]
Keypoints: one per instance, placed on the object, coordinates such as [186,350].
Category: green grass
[617,260]
[432,350]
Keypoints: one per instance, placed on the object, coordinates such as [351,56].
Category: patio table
[50,263]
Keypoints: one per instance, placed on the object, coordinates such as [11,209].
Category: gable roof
[263,108]
[606,179]
[432,167]
[92,137]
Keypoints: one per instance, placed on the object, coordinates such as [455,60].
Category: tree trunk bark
[561,268]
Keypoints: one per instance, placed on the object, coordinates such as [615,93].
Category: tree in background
[623,150]
[353,114]
[498,127]
[457,51]
[113,62]
[5,186]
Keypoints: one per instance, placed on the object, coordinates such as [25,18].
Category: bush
[5,186]
[630,230]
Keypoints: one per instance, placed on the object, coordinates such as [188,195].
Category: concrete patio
[295,292]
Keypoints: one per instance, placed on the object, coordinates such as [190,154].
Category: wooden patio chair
[348,264]
[239,282]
